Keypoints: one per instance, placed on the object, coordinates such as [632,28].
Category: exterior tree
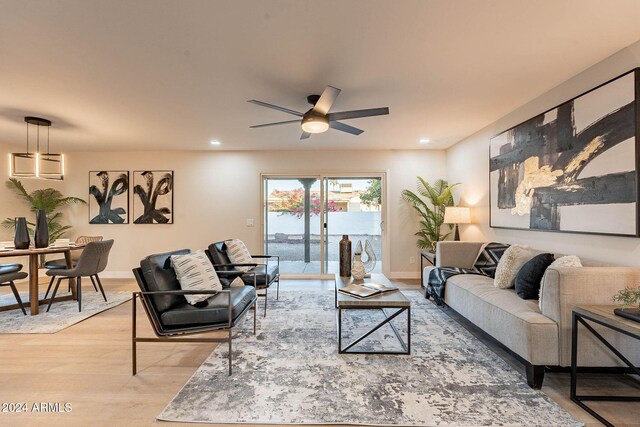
[292,203]
[373,194]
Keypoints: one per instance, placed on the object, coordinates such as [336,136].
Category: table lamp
[457,215]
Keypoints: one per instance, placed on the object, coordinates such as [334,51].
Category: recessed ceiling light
[425,141]
[215,142]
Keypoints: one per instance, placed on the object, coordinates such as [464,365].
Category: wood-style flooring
[89,366]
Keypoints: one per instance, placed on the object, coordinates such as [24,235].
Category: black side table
[602,315]
[431,258]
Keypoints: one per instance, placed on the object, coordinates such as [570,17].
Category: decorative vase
[41,235]
[345,256]
[21,239]
[357,269]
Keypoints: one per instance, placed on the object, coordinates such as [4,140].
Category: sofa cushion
[530,275]
[238,253]
[159,276]
[195,273]
[516,323]
[216,310]
[264,275]
[510,263]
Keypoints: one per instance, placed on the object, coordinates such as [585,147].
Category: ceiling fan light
[315,124]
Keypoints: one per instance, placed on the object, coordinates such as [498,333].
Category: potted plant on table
[629,296]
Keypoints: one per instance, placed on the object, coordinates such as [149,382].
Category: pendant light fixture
[37,164]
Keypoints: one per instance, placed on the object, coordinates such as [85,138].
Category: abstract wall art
[153,197]
[572,168]
[108,197]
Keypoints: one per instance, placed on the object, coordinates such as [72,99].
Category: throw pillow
[238,253]
[195,273]
[510,263]
[529,277]
[488,258]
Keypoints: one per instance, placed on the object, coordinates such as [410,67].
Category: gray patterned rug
[291,373]
[62,315]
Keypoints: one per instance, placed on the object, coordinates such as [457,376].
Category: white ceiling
[172,75]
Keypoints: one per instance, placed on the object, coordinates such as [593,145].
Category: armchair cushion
[265,274]
[195,273]
[216,310]
[218,254]
[159,276]
[238,253]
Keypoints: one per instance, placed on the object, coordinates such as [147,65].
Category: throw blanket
[485,265]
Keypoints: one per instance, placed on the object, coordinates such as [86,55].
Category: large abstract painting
[108,197]
[153,197]
[572,168]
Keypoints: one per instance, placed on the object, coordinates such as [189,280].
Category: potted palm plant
[430,202]
[50,200]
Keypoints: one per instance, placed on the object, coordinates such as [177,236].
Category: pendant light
[37,164]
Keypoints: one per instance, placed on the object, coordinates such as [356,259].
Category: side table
[602,315]
[431,258]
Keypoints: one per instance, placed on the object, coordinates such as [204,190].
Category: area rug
[62,314]
[291,373]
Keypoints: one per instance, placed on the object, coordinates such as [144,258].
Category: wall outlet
[250,222]
[412,260]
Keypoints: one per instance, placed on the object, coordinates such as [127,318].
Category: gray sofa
[541,337]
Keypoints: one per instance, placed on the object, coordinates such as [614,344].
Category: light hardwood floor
[88,365]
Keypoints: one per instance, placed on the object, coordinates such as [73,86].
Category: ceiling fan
[318,119]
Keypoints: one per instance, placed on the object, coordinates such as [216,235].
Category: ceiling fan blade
[274,124]
[326,100]
[275,107]
[305,135]
[355,114]
[345,128]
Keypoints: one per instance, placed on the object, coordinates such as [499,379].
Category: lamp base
[456,234]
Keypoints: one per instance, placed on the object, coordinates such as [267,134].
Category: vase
[345,256]
[41,235]
[21,239]
[357,269]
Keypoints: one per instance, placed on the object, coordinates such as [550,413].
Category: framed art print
[153,197]
[108,197]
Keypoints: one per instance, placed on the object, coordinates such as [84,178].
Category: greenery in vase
[50,200]
[628,296]
[437,197]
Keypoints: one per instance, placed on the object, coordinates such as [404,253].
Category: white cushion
[195,273]
[510,263]
[238,253]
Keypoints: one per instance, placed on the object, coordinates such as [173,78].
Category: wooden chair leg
[101,288]
[49,287]
[53,295]
[17,295]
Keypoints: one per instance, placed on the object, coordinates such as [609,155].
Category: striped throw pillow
[195,273]
[238,253]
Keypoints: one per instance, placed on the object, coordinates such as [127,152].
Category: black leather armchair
[171,315]
[262,275]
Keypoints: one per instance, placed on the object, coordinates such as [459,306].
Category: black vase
[41,235]
[345,256]
[21,239]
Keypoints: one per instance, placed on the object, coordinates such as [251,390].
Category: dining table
[34,255]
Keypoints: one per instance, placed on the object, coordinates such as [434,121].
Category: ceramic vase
[357,269]
[41,235]
[345,256]
[21,239]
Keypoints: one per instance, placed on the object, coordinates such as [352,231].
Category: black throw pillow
[530,275]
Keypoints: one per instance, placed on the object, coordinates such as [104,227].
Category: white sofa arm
[564,288]
[457,254]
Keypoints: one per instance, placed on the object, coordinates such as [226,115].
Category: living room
[162,86]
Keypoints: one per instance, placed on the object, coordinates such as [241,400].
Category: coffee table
[390,301]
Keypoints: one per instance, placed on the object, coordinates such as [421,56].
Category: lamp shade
[457,215]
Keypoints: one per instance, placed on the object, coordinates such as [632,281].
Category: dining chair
[92,261]
[9,273]
[61,263]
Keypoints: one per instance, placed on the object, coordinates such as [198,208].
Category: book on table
[366,290]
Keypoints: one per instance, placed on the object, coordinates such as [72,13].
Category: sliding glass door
[305,216]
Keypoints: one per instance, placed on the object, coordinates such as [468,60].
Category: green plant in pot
[430,202]
[50,200]
[630,298]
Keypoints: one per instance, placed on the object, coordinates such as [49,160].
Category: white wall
[215,192]
[468,163]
